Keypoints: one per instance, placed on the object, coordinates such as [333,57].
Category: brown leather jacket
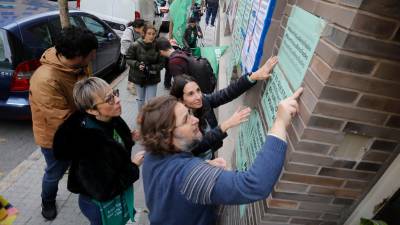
[50,96]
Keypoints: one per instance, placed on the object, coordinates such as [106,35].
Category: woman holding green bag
[98,143]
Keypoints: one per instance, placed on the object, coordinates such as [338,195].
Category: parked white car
[117,13]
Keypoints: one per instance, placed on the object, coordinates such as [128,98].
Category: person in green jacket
[192,32]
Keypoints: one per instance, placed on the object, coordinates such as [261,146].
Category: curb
[120,78]
[16,173]
[25,165]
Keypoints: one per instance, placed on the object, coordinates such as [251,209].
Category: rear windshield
[5,53]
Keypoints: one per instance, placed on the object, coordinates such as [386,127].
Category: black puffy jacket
[100,167]
[147,53]
[213,138]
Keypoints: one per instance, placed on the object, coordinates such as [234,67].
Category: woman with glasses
[186,90]
[98,143]
[145,64]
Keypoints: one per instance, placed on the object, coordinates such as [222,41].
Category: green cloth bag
[196,52]
[118,210]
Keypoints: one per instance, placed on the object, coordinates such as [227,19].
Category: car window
[56,23]
[5,54]
[97,28]
[39,34]
[2,49]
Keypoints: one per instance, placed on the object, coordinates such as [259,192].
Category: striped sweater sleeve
[199,183]
[255,184]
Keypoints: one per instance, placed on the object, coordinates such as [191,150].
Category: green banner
[213,55]
[178,12]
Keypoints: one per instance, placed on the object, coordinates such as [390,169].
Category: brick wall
[352,92]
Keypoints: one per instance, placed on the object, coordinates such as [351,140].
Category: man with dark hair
[182,62]
[176,65]
[182,189]
[51,101]
[192,32]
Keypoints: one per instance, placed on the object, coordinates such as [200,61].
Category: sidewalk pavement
[22,186]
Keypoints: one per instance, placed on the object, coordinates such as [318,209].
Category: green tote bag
[118,210]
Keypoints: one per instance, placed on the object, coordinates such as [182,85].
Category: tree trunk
[63,6]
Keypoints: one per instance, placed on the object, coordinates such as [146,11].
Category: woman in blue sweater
[183,189]
[186,90]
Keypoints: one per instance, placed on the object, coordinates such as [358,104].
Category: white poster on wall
[260,19]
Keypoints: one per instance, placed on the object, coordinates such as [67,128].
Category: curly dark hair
[74,42]
[157,124]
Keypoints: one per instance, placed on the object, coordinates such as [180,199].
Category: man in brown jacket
[51,101]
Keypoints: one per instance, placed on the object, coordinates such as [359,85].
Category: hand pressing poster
[301,37]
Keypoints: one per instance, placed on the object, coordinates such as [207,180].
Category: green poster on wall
[251,137]
[301,37]
[276,90]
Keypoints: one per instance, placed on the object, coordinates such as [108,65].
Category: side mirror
[111,36]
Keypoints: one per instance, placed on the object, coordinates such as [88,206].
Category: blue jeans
[53,173]
[211,12]
[90,210]
[145,93]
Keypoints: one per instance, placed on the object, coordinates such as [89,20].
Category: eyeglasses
[109,99]
[186,120]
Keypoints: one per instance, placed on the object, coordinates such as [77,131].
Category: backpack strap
[133,33]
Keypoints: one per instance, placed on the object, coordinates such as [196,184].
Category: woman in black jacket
[145,63]
[188,92]
[98,143]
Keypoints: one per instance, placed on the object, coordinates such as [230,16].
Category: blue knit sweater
[183,190]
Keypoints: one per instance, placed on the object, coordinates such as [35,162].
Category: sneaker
[49,210]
